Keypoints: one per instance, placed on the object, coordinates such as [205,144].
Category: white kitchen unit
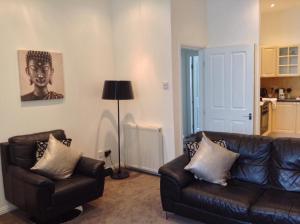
[286,120]
[284,117]
[288,61]
[268,61]
[280,61]
[298,119]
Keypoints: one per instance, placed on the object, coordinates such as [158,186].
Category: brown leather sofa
[264,187]
[45,199]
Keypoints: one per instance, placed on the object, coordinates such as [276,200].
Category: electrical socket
[100,154]
[107,153]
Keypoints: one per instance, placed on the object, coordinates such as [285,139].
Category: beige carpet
[132,200]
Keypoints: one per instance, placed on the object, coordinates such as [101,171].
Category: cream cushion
[58,162]
[212,162]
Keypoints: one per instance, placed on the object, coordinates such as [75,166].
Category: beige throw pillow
[212,162]
[58,162]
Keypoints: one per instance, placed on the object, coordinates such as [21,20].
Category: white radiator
[143,147]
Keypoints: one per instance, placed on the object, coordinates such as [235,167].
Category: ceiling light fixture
[272,5]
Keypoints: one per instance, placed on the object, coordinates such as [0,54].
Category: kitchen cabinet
[288,61]
[284,117]
[298,119]
[268,61]
[280,61]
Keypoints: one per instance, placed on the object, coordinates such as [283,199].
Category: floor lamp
[118,90]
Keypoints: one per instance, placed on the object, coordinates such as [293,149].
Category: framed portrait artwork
[41,75]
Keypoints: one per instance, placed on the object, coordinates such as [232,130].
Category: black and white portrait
[41,75]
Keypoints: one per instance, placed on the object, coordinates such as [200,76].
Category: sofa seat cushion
[276,206]
[73,189]
[232,201]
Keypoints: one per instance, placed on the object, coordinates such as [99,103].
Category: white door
[229,89]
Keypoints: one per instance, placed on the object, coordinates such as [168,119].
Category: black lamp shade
[117,90]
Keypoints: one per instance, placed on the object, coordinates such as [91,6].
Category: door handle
[249,116]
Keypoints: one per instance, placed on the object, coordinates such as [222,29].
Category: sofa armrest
[175,171]
[173,179]
[31,178]
[27,190]
[90,167]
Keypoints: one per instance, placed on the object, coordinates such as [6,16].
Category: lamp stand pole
[121,173]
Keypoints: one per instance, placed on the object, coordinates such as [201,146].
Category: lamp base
[120,174]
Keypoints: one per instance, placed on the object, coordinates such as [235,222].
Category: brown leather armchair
[45,199]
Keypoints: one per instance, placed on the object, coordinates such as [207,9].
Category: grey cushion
[192,147]
[58,161]
[42,146]
[212,162]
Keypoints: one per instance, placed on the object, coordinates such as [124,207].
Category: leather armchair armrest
[31,178]
[29,191]
[90,167]
[175,171]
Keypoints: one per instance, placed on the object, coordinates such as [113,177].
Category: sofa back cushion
[22,148]
[253,164]
[255,151]
[285,164]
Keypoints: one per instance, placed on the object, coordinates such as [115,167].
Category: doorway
[279,72]
[192,88]
[217,89]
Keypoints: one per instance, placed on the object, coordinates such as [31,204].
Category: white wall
[142,50]
[281,27]
[232,22]
[81,30]
[236,22]
[107,39]
[189,29]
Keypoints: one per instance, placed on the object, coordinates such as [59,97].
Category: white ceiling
[279,5]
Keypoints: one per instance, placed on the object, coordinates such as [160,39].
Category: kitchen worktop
[288,100]
[266,99]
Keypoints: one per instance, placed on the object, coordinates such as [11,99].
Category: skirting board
[137,169]
[6,208]
[133,168]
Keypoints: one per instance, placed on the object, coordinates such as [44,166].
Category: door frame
[257,67]
[256,114]
[201,58]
